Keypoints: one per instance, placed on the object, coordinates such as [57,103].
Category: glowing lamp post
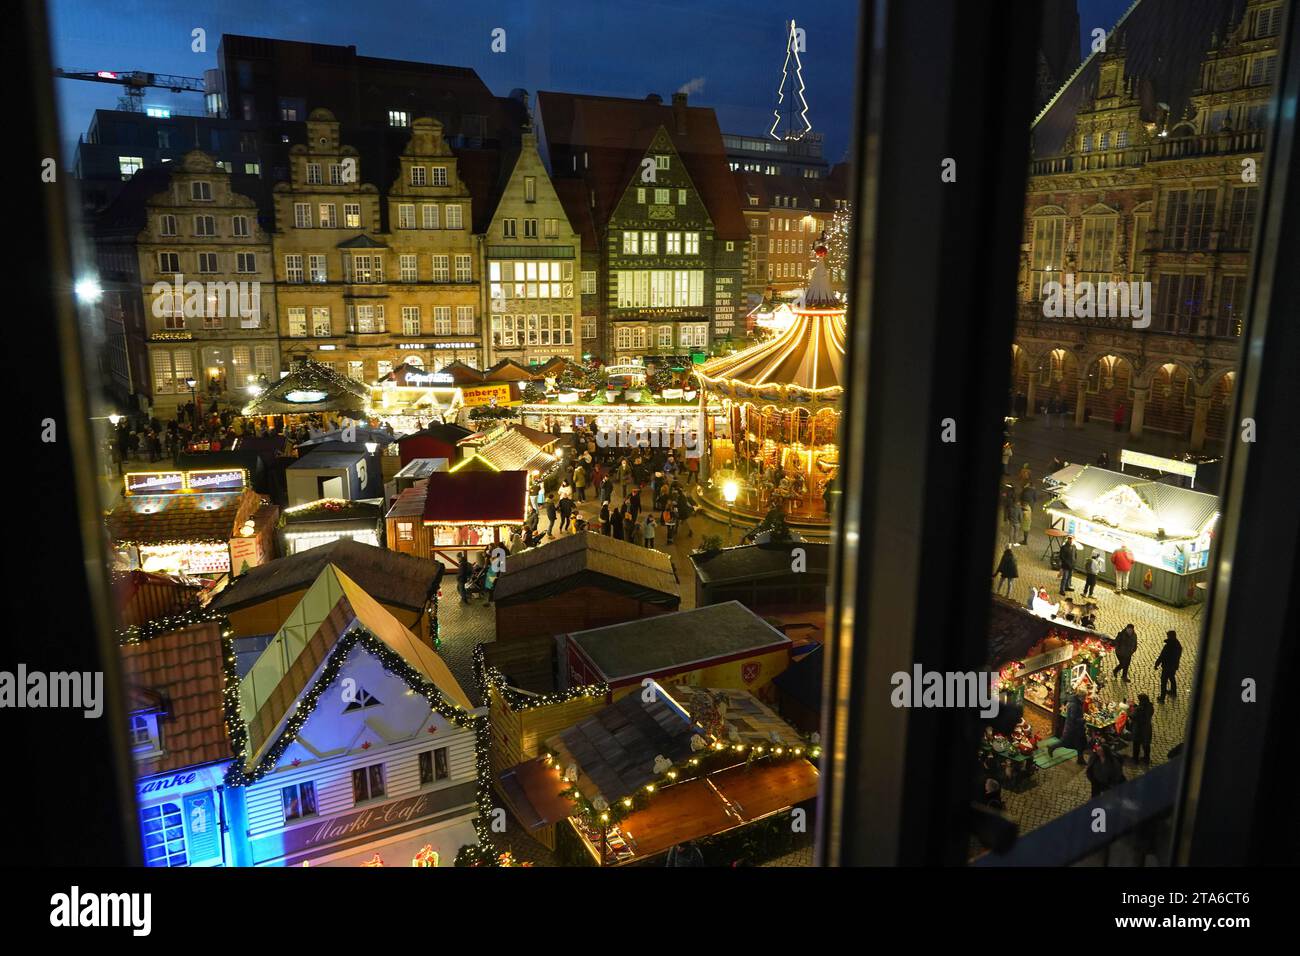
[730,491]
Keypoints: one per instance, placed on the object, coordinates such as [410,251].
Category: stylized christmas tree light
[792,44]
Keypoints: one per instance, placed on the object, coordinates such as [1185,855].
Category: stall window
[298,801]
[434,766]
[368,783]
[163,831]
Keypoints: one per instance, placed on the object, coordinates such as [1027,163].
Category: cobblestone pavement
[1064,787]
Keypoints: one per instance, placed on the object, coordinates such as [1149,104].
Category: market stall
[199,522]
[310,388]
[412,394]
[777,436]
[310,525]
[1170,530]
[450,512]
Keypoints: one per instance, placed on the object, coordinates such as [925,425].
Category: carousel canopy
[311,387]
[802,366]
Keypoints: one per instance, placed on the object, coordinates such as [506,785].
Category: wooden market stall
[449,512]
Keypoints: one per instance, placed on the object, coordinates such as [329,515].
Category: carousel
[775,442]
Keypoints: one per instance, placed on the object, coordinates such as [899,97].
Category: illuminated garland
[490,677]
[139,633]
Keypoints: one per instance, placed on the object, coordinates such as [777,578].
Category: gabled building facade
[352,738]
[669,232]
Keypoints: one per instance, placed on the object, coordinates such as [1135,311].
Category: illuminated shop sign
[202,481]
[305,396]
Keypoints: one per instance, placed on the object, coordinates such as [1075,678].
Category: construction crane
[135,83]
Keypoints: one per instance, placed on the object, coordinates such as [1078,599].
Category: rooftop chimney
[679,113]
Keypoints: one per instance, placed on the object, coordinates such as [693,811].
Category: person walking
[462,577]
[607,489]
[580,482]
[1026,522]
[1007,569]
[1122,560]
[1120,411]
[616,523]
[604,518]
[629,526]
[567,507]
[1171,656]
[1067,564]
[624,477]
[648,530]
[490,581]
[670,522]
[1006,457]
[634,502]
[1140,724]
[550,515]
[1011,513]
[1126,643]
[1024,475]
[1092,569]
[692,468]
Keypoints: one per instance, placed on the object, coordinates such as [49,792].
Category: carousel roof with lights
[803,366]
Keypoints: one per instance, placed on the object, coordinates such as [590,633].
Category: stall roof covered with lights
[333,616]
[508,449]
[1152,509]
[311,387]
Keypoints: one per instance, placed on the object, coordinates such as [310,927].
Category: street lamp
[191,382]
[114,419]
[730,491]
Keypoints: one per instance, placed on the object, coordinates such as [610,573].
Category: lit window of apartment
[692,243]
[410,320]
[453,215]
[128,166]
[328,217]
[316,269]
[407,268]
[588,326]
[681,197]
[650,243]
[441,268]
[589,287]
[406,216]
[399,118]
[320,321]
[551,228]
[352,215]
[442,320]
[464,320]
[640,194]
[661,162]
[631,243]
[464,268]
[673,243]
[661,197]
[293,268]
[428,216]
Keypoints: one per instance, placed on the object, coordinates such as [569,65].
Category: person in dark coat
[550,515]
[604,517]
[1007,569]
[616,523]
[1171,656]
[1126,643]
[567,508]
[1074,735]
[1104,771]
[1067,564]
[462,577]
[629,527]
[1139,725]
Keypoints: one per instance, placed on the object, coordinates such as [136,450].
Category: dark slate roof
[667,641]
[387,576]
[485,172]
[1164,43]
[327,458]
[182,673]
[615,748]
[588,559]
[615,133]
[575,199]
[755,561]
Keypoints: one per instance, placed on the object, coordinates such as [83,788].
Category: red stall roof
[468,496]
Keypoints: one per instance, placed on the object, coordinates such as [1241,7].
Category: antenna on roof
[796,110]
